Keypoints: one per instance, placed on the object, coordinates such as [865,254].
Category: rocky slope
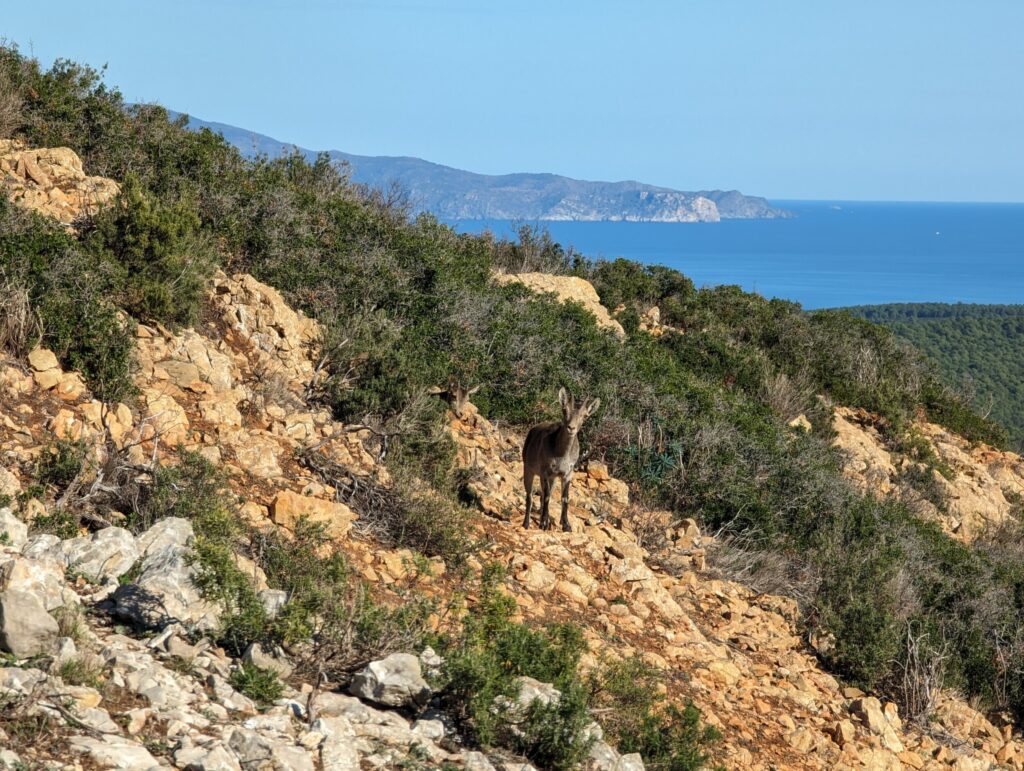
[235,390]
[980,491]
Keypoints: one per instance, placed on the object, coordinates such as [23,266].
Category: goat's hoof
[566,528]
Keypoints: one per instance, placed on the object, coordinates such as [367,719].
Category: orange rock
[288,507]
[47,379]
[43,359]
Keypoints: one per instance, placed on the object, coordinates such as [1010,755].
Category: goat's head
[455,395]
[573,415]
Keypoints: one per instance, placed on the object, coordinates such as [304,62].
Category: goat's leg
[546,483]
[566,484]
[528,484]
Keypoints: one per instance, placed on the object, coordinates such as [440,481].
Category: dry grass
[918,677]
[11,103]
[787,397]
[761,570]
[20,325]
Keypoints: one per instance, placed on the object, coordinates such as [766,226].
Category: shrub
[158,255]
[482,664]
[68,293]
[260,685]
[330,611]
[13,70]
[533,250]
[60,463]
[636,718]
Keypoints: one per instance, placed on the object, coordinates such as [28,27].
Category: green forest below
[979,349]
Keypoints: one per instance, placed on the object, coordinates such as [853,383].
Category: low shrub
[260,685]
[60,463]
[637,718]
[331,617]
[482,663]
[69,295]
[159,257]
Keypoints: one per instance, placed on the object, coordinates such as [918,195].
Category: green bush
[158,255]
[624,282]
[330,611]
[70,292]
[637,718]
[60,463]
[482,664]
[260,685]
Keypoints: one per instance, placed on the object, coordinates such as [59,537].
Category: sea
[829,254]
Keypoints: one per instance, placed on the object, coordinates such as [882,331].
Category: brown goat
[455,395]
[551,450]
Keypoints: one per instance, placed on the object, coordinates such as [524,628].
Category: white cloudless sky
[893,100]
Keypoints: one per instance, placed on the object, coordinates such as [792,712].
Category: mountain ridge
[458,194]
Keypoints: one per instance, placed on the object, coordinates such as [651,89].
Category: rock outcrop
[980,491]
[566,289]
[51,181]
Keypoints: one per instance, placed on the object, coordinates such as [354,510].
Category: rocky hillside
[975,490]
[107,631]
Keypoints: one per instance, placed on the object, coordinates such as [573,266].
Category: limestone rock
[531,690]
[116,753]
[41,577]
[26,629]
[51,181]
[164,418]
[43,359]
[216,758]
[164,592]
[338,752]
[395,681]
[107,553]
[13,532]
[255,656]
[9,484]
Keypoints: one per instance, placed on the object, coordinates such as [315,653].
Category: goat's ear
[472,390]
[434,390]
[565,399]
[593,405]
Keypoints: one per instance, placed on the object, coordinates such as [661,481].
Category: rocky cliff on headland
[235,390]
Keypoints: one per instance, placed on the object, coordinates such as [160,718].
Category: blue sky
[900,100]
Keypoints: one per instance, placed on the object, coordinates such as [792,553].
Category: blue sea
[832,253]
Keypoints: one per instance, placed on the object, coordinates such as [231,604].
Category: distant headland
[453,194]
